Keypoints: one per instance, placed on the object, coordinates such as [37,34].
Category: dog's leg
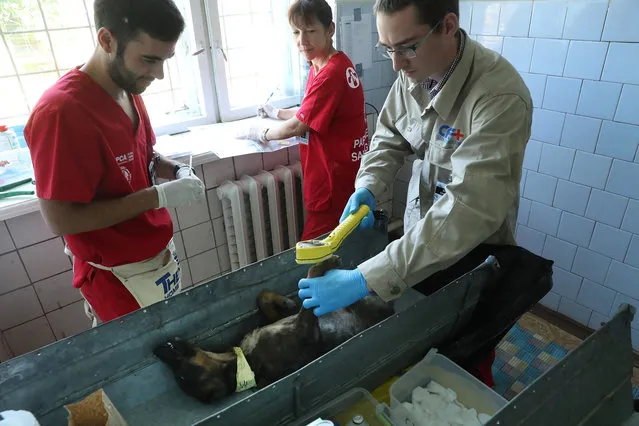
[319,269]
[274,306]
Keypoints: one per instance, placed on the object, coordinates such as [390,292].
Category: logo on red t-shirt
[126,173]
[351,78]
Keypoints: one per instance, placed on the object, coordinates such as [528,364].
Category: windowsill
[206,144]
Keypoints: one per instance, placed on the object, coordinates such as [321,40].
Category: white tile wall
[575,229]
[590,169]
[562,252]
[562,94]
[515,18]
[618,140]
[623,179]
[571,197]
[549,56]
[585,59]
[556,161]
[28,229]
[495,43]
[596,297]
[609,241]
[632,257]
[565,283]
[631,217]
[599,99]
[548,19]
[621,23]
[574,310]
[57,292]
[547,125]
[551,300]
[606,207]
[518,51]
[29,336]
[540,187]
[628,108]
[544,218]
[591,265]
[621,63]
[536,85]
[580,133]
[532,156]
[485,19]
[585,19]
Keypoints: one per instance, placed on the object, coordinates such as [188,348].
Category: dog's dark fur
[291,340]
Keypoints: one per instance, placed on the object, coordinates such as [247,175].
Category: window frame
[225,111]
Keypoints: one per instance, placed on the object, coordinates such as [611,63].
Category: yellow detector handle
[345,228]
[314,251]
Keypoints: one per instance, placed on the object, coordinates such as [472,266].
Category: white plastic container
[8,139]
[471,392]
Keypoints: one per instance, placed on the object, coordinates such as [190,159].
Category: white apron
[149,281]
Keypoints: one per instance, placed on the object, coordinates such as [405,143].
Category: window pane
[20,15]
[242,62]
[13,103]
[35,84]
[5,62]
[64,13]
[164,84]
[161,107]
[261,5]
[31,52]
[244,91]
[89,5]
[72,47]
[235,31]
[249,81]
[234,7]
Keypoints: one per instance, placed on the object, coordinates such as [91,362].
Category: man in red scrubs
[331,115]
[91,144]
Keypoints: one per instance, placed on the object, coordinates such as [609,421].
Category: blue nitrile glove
[359,197]
[336,289]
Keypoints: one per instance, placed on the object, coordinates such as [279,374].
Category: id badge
[304,139]
[440,191]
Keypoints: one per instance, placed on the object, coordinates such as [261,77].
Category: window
[253,56]
[232,55]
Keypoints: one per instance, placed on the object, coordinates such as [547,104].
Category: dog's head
[204,375]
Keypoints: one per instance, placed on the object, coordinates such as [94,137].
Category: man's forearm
[64,218]
[164,167]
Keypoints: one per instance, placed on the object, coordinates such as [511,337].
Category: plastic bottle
[8,139]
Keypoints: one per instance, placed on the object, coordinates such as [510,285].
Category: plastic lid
[3,128]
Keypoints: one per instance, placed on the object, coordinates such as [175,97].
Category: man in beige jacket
[466,114]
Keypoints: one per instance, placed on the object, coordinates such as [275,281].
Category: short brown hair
[308,11]
[429,12]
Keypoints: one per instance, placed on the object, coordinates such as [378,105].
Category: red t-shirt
[84,148]
[333,109]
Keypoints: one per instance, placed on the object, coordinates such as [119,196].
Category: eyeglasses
[408,52]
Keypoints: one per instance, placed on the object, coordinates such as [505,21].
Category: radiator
[263,214]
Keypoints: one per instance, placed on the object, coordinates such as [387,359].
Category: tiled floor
[559,335]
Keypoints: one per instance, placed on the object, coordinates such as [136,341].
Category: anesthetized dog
[292,339]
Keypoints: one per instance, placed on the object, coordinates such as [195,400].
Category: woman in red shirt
[331,115]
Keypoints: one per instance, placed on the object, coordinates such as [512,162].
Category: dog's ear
[319,269]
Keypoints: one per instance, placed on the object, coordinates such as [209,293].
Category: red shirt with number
[333,109]
[85,148]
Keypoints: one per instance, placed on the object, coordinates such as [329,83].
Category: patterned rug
[521,357]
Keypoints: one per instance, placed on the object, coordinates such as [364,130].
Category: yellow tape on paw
[245,376]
